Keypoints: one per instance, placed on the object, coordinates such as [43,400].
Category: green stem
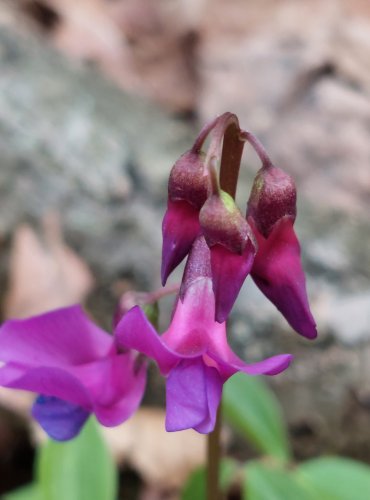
[213,460]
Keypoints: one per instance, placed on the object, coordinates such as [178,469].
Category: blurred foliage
[80,469]
[252,409]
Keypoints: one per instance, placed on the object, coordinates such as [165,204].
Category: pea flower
[193,353]
[74,366]
[277,268]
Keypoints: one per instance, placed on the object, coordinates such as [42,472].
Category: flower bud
[232,247]
[223,224]
[187,191]
[273,197]
[188,180]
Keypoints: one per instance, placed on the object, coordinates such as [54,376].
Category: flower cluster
[78,369]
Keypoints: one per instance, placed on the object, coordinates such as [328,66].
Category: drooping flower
[277,268]
[187,191]
[232,245]
[74,366]
[193,353]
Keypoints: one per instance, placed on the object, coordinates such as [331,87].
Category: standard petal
[180,228]
[229,271]
[278,273]
[193,392]
[62,337]
[59,419]
[134,331]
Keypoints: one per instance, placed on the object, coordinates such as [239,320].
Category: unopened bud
[188,179]
[273,197]
[222,223]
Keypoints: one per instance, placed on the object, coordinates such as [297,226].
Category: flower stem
[232,150]
[213,459]
[258,147]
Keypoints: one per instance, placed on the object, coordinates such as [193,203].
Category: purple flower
[187,191]
[74,366]
[193,353]
[277,268]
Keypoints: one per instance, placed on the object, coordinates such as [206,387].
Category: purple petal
[125,381]
[180,228]
[134,331]
[59,419]
[193,393]
[47,381]
[61,337]
[278,273]
[229,271]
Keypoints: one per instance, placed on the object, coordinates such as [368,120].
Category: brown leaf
[164,459]
[44,273]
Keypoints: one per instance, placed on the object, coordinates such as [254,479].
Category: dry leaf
[164,459]
[44,274]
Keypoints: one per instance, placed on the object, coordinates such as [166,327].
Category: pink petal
[134,331]
[193,393]
[61,337]
[180,228]
[121,400]
[229,271]
[277,271]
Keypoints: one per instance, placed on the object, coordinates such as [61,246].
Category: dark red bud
[223,224]
[189,180]
[273,197]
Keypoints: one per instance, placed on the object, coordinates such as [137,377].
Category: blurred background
[98,98]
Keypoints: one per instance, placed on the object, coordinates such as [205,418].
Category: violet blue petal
[193,393]
[62,337]
[229,271]
[180,227]
[278,273]
[134,331]
[59,419]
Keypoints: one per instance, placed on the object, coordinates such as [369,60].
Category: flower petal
[268,366]
[180,228]
[47,381]
[134,331]
[59,419]
[193,393]
[229,271]
[278,273]
[125,382]
[62,337]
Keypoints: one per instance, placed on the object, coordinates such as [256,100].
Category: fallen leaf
[44,273]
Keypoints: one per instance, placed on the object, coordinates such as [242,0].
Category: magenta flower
[187,191]
[74,366]
[193,353]
[277,268]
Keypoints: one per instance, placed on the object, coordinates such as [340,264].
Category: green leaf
[266,482]
[334,478]
[80,469]
[253,410]
[29,492]
[195,486]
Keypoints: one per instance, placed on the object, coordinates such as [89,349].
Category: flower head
[74,366]
[193,352]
